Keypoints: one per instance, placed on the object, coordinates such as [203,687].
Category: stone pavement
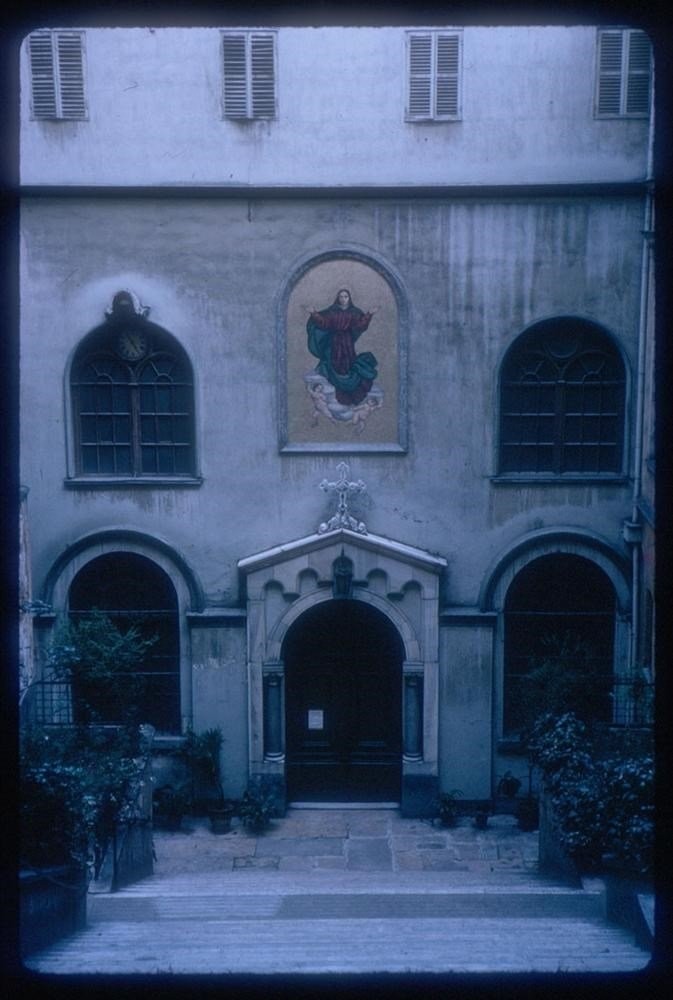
[341,891]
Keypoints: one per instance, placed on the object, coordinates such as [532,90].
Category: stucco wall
[155,114]
[474,273]
[465,705]
[219,691]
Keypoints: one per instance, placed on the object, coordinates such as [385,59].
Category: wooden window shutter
[57,73]
[624,73]
[610,72]
[235,76]
[263,76]
[249,75]
[71,74]
[433,76]
[420,76]
[638,74]
[42,73]
[447,76]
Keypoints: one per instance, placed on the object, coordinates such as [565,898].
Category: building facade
[339,381]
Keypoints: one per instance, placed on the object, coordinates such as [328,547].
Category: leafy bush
[76,784]
[604,801]
[102,663]
[256,809]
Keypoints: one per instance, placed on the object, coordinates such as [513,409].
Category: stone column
[273,716]
[413,717]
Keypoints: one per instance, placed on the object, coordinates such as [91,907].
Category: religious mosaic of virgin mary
[348,362]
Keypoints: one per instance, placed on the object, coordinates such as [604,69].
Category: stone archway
[393,585]
[343,664]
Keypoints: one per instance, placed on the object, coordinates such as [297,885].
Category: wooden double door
[343,698]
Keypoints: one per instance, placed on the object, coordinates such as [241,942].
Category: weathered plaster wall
[475,273]
[465,706]
[155,98]
[219,690]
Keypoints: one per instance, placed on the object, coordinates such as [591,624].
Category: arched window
[133,399]
[559,641]
[562,390]
[131,590]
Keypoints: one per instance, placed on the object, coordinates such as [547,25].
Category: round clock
[132,345]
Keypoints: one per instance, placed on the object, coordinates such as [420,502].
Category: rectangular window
[57,74]
[433,76]
[249,74]
[624,74]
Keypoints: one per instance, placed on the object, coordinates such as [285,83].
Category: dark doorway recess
[343,684]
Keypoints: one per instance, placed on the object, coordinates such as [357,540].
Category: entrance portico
[373,729]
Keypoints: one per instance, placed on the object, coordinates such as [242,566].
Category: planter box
[52,904]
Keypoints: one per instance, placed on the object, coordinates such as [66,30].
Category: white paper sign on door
[315,718]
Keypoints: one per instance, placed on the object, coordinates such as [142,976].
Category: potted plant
[204,752]
[447,807]
[481,819]
[508,785]
[255,810]
[169,805]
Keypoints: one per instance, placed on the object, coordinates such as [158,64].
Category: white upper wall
[155,117]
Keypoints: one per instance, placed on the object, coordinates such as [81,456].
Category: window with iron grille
[249,74]
[57,74]
[133,402]
[132,592]
[624,72]
[433,76]
[562,392]
[559,642]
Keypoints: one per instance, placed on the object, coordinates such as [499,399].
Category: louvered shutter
[57,74]
[263,76]
[420,76]
[235,76]
[623,73]
[610,72]
[71,75]
[638,76]
[42,73]
[447,76]
[249,75]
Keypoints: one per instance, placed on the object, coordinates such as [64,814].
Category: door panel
[343,682]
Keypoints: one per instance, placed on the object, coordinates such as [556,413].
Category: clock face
[132,345]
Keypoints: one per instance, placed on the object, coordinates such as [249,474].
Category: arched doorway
[343,705]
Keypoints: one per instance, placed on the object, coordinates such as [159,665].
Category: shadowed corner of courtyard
[357,840]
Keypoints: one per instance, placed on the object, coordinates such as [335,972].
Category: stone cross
[344,489]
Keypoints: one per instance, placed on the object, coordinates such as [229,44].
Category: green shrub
[76,784]
[604,801]
[102,663]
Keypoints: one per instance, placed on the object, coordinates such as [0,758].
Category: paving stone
[407,861]
[366,824]
[304,846]
[295,864]
[466,852]
[368,854]
[334,863]
[444,861]
[268,862]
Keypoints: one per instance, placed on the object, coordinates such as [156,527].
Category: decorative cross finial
[343,489]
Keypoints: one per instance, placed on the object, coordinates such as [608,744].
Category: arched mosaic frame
[379,422]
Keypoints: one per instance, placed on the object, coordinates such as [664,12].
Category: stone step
[340,906]
[349,945]
[271,882]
